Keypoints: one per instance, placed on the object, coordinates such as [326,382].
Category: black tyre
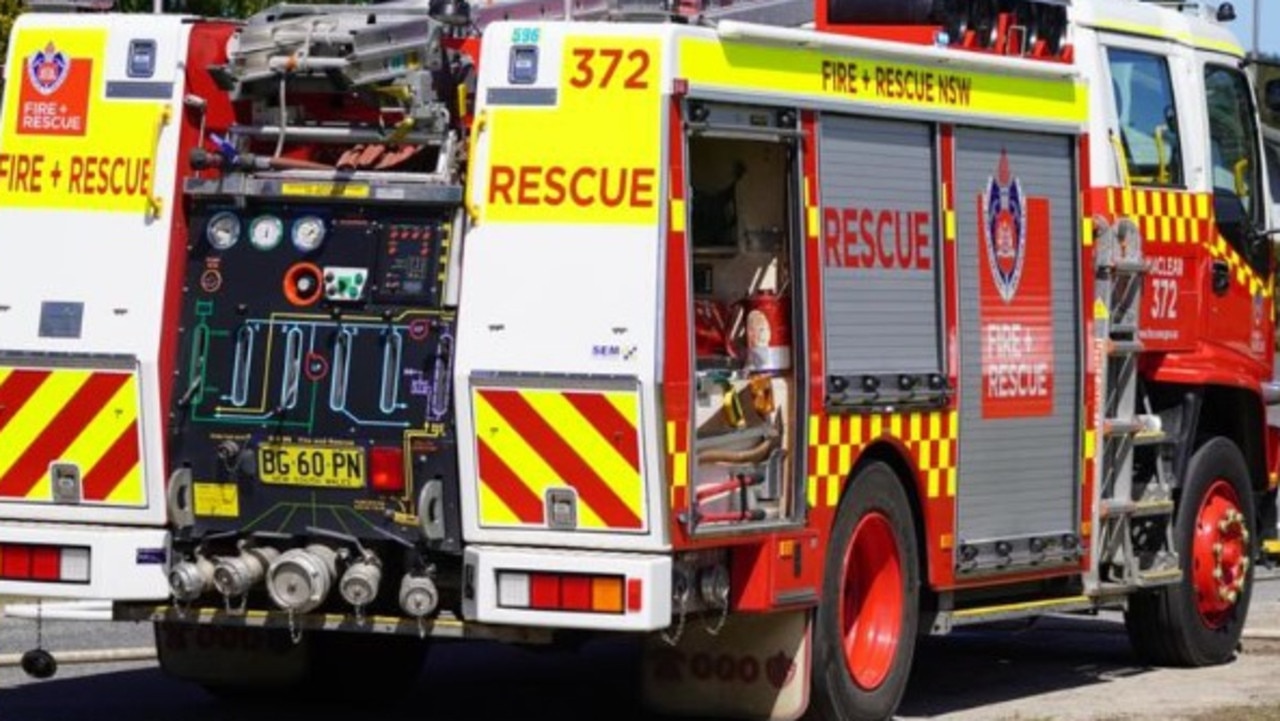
[865,630]
[1198,621]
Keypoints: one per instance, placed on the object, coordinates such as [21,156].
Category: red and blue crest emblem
[47,69]
[1005,208]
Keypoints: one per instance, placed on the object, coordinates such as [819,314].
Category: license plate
[311,466]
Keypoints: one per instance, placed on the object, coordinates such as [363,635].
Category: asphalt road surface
[1057,668]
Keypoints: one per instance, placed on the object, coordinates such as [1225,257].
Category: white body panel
[523,311]
[113,263]
[540,324]
[125,564]
[654,573]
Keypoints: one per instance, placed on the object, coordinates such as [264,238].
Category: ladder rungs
[1114,508]
[1127,266]
[1150,438]
[1161,577]
[1124,347]
[1140,425]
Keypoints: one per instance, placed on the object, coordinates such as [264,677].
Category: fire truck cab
[915,320]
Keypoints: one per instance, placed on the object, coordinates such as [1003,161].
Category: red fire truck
[774,345]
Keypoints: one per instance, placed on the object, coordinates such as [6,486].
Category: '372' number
[1165,298]
[599,68]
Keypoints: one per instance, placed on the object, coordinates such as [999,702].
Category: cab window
[1235,162]
[1147,117]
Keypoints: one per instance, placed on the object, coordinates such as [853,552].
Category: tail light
[386,469]
[56,564]
[576,592]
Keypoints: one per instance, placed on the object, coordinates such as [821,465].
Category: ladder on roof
[1133,511]
[388,42]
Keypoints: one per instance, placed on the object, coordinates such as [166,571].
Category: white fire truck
[774,345]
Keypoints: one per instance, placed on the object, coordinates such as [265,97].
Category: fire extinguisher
[764,319]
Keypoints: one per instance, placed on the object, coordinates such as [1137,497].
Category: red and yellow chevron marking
[834,442]
[85,417]
[531,440]
[1182,218]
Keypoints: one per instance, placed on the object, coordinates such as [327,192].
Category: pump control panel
[316,365]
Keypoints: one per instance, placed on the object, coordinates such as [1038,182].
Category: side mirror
[1272,95]
[1272,235]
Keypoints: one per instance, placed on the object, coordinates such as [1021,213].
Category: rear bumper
[125,564]
[645,578]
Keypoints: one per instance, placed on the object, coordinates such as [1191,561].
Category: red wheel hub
[1220,554]
[871,601]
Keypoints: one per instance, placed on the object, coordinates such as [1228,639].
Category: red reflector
[544,591]
[386,469]
[16,562]
[46,563]
[635,594]
[575,593]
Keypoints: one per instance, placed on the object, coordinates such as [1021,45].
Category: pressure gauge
[223,230]
[266,231]
[308,233]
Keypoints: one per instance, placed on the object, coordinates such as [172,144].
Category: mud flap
[234,656]
[757,667]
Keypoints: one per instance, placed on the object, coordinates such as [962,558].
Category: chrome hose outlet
[300,579]
[359,584]
[190,580]
[233,576]
[418,596]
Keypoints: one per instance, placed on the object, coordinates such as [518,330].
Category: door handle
[1221,277]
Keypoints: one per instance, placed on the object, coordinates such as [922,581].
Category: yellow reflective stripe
[36,414]
[1152,31]
[627,403]
[502,438]
[129,491]
[677,215]
[596,450]
[97,437]
[953,91]
[493,511]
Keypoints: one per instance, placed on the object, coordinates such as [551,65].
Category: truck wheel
[865,630]
[1198,621]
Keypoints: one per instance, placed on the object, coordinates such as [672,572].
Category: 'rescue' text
[1013,367]
[583,186]
[877,238]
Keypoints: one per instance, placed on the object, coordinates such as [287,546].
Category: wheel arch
[896,458]
[1195,414]
[1237,414]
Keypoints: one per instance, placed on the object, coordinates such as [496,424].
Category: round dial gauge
[308,233]
[223,230]
[266,231]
